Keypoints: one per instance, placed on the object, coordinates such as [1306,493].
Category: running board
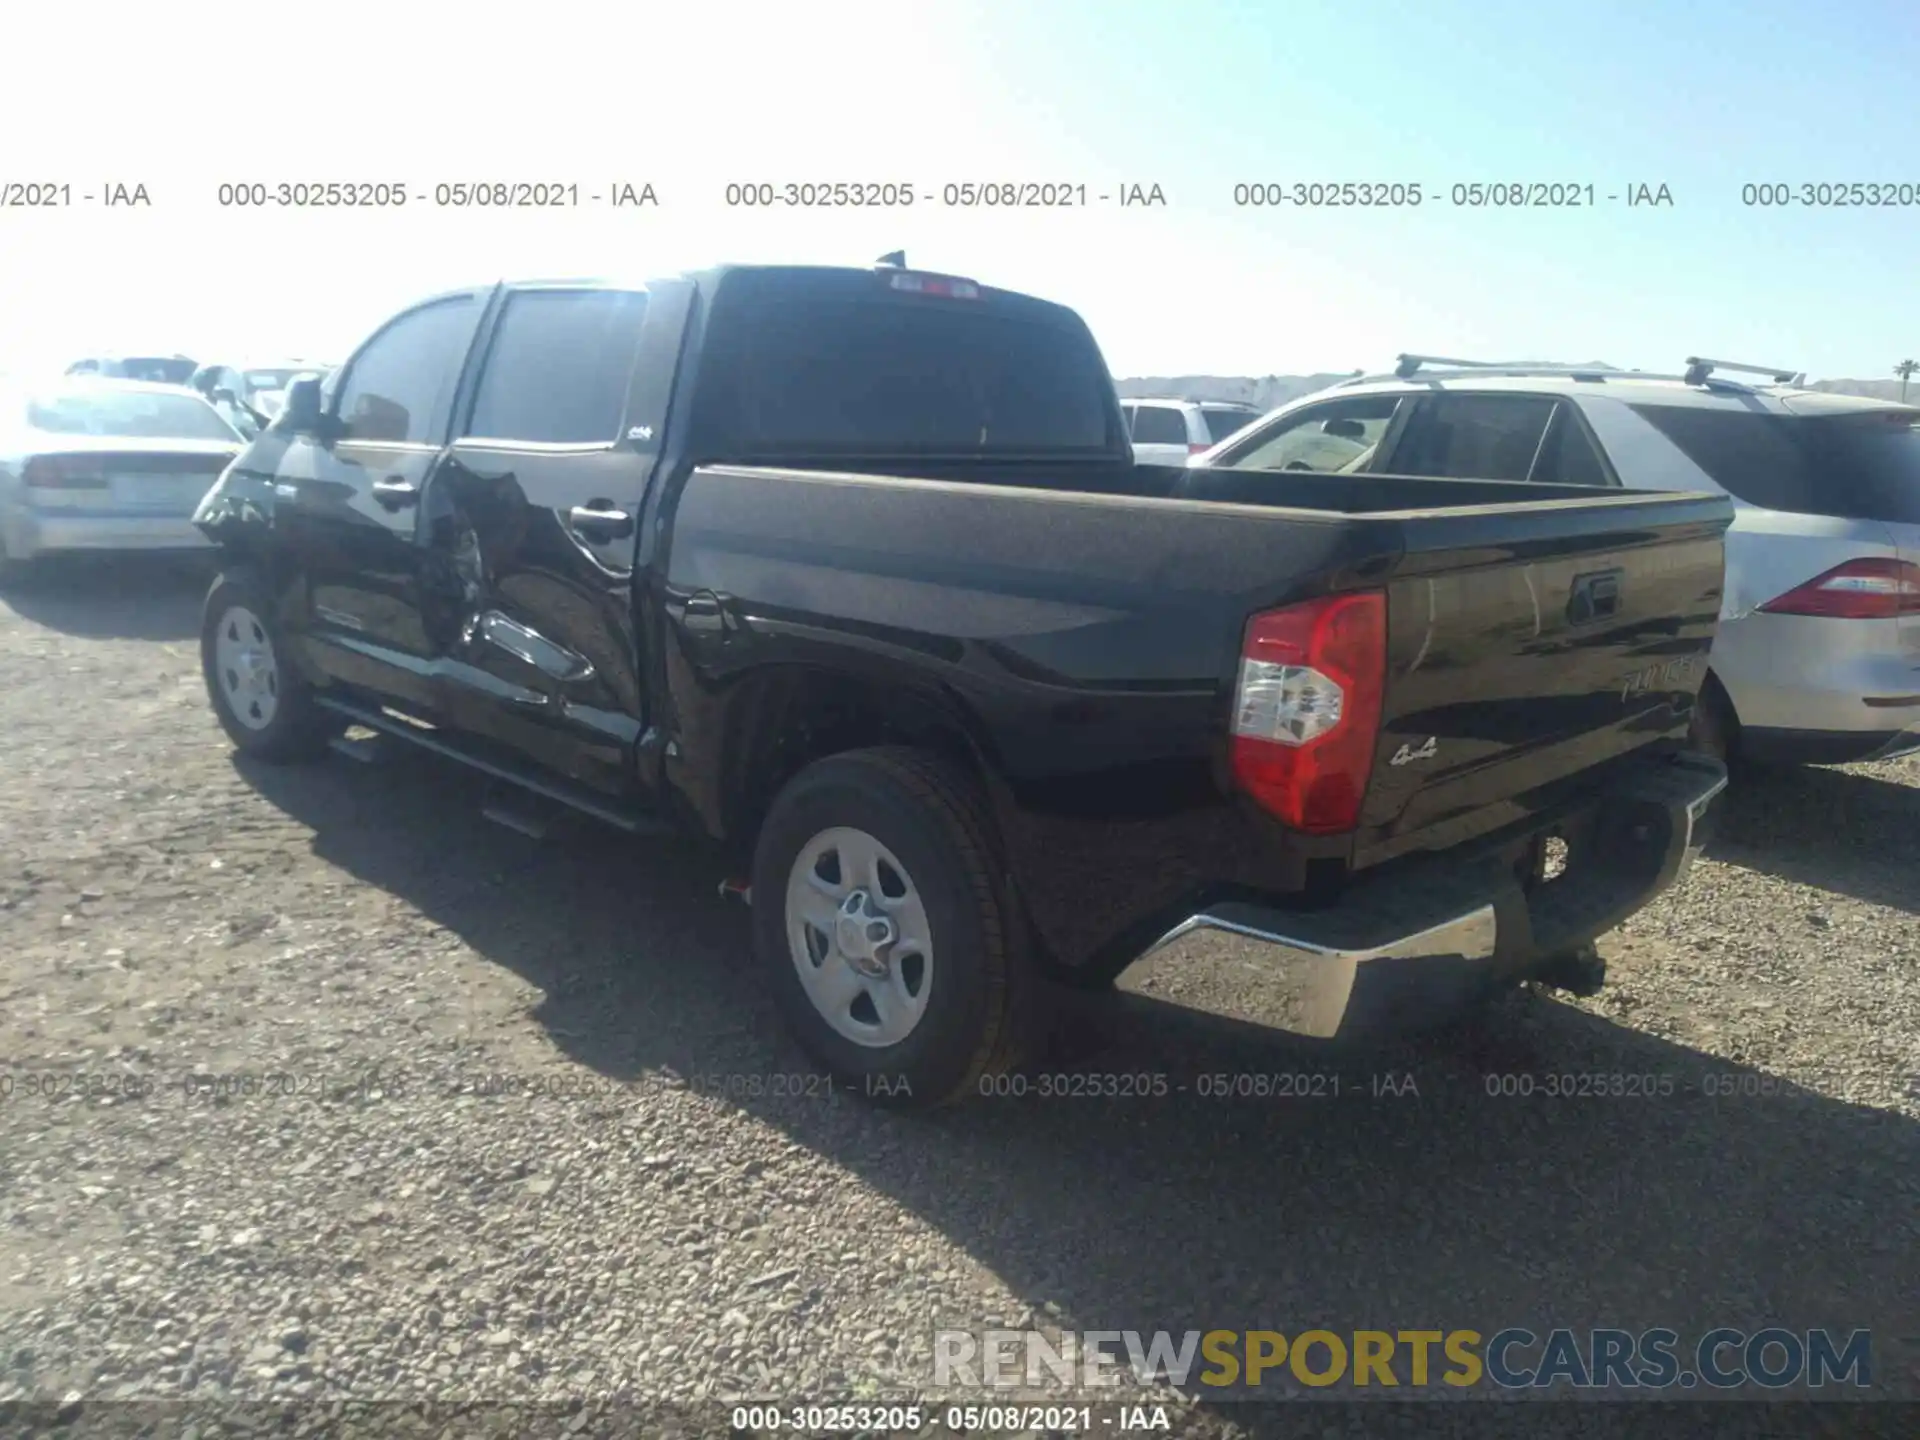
[514,813]
[577,797]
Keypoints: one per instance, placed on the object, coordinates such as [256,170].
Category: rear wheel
[263,704]
[884,929]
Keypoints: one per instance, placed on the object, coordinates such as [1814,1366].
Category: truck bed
[1095,630]
[1268,489]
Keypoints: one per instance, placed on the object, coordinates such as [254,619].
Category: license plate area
[158,492]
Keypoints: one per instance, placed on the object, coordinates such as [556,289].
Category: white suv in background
[1817,659]
[1169,432]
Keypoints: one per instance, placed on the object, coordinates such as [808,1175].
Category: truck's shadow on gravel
[115,597]
[1851,832]
[1382,1208]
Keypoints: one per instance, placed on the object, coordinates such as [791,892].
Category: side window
[558,367]
[1569,457]
[1338,437]
[399,388]
[1159,425]
[1127,410]
[1223,421]
[1475,437]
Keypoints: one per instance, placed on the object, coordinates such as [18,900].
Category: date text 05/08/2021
[1494,194]
[55,192]
[470,194]
[995,1419]
[981,194]
[388,1084]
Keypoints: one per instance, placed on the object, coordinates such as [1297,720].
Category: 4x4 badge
[1407,754]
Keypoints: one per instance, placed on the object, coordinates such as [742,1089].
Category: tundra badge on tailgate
[1669,676]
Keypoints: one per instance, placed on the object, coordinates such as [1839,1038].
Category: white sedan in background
[93,464]
[250,396]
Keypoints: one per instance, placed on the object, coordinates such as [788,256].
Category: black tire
[296,729]
[931,815]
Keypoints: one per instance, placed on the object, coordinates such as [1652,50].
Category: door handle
[600,523]
[705,613]
[395,491]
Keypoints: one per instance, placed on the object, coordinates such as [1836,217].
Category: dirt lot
[633,1213]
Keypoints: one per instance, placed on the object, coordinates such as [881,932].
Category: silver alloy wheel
[859,936]
[249,674]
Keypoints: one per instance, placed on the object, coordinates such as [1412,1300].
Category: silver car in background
[95,464]
[1168,432]
[160,369]
[255,392]
[1817,659]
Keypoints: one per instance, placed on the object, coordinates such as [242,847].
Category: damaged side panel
[531,609]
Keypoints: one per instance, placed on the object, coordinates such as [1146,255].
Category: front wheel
[263,704]
[884,928]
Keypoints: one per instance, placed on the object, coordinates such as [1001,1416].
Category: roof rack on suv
[1410,365]
[1698,370]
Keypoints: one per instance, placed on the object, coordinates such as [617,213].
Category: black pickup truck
[850,573]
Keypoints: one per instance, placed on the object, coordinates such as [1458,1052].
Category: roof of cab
[711,276]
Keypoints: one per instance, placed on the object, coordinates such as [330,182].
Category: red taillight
[1867,589]
[62,472]
[1306,711]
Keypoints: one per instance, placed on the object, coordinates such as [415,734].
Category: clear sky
[1192,95]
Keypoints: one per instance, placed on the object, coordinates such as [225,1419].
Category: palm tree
[1905,370]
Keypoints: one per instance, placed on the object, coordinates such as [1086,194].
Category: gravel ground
[622,1226]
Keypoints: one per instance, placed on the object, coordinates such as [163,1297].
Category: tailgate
[1529,643]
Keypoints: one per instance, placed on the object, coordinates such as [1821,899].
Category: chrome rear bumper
[1411,947]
